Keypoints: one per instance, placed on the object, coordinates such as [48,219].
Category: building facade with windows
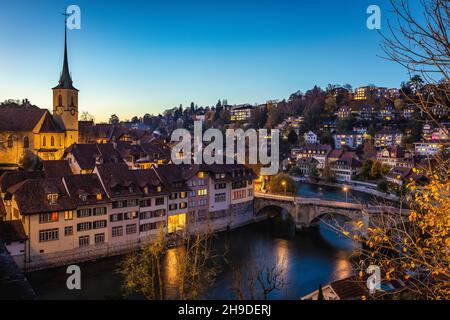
[114,209]
[350,139]
[387,138]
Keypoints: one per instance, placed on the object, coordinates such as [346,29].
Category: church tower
[65,101]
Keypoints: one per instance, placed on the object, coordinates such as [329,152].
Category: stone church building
[27,129]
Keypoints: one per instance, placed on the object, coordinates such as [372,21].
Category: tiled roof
[84,188]
[11,178]
[172,177]
[49,125]
[86,154]
[349,288]
[307,161]
[349,162]
[56,168]
[118,180]
[335,153]
[11,231]
[32,196]
[19,118]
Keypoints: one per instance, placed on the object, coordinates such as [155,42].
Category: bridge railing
[331,203]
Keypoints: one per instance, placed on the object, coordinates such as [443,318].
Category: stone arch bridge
[306,211]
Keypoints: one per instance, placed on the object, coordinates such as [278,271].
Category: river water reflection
[310,257]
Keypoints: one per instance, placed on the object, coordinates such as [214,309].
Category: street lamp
[346,193]
[283,183]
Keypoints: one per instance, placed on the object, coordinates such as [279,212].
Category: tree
[327,174]
[275,116]
[399,104]
[282,182]
[28,161]
[366,168]
[313,173]
[114,119]
[382,185]
[193,259]
[258,279]
[327,138]
[330,104]
[196,265]
[292,137]
[416,252]
[135,120]
[369,148]
[86,116]
[259,118]
[141,270]
[295,171]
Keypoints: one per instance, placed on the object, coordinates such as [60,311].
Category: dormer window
[146,190]
[131,189]
[52,198]
[158,189]
[83,197]
[98,160]
[98,196]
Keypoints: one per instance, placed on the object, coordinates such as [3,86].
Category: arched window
[72,104]
[44,141]
[26,142]
[59,100]
[52,141]
[10,142]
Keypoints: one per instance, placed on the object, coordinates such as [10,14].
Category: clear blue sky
[136,57]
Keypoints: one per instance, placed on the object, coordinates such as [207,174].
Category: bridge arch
[262,205]
[332,214]
[320,212]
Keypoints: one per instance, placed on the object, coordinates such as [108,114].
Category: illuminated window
[99,196]
[48,217]
[52,198]
[201,175]
[202,192]
[68,215]
[176,222]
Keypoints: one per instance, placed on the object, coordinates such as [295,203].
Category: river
[308,258]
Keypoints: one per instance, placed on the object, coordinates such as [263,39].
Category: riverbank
[351,185]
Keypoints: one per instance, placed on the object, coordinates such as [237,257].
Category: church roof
[15,117]
[49,125]
[65,81]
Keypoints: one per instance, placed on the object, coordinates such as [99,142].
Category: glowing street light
[283,183]
[345,188]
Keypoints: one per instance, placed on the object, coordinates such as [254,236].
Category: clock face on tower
[72,111]
[59,110]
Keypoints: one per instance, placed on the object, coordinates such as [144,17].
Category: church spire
[65,81]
